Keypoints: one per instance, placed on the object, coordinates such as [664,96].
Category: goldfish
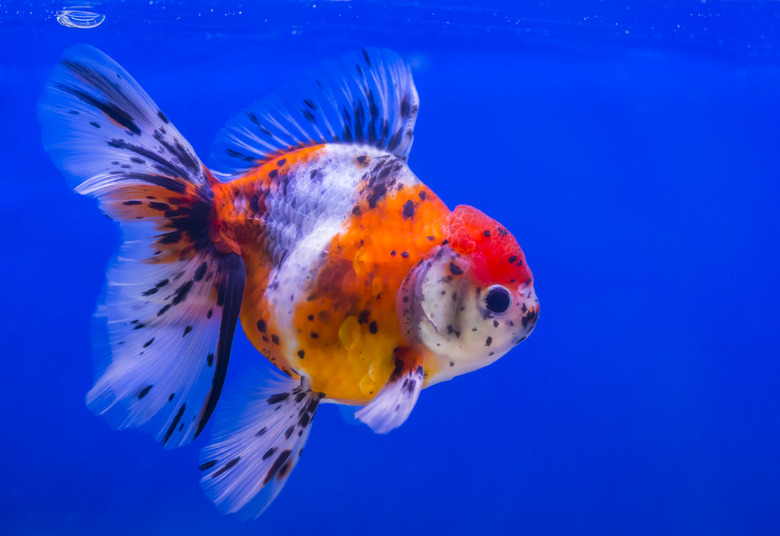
[345,271]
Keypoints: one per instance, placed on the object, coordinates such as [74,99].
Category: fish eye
[498,299]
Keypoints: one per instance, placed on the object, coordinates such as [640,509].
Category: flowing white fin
[172,300]
[365,98]
[258,439]
[395,400]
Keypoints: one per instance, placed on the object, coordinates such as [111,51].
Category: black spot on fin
[172,301]
[367,97]
[266,431]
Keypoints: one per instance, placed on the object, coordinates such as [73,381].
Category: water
[633,151]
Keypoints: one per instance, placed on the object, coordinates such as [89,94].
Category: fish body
[345,270]
[320,298]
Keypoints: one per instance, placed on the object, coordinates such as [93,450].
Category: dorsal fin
[365,98]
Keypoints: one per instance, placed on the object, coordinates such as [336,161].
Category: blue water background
[634,153]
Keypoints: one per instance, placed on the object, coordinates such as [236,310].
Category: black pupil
[497,300]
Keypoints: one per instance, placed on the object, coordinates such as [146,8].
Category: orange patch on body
[348,326]
[239,227]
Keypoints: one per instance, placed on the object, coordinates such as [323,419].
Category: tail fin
[172,300]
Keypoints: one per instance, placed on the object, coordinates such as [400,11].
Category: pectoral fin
[394,402]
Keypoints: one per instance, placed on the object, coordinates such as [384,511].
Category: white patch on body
[303,220]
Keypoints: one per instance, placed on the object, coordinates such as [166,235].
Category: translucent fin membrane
[165,327]
[365,98]
[258,439]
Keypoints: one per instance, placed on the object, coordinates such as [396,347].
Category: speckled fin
[365,98]
[395,400]
[258,439]
[165,327]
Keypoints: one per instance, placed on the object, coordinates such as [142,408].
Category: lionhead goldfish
[347,272]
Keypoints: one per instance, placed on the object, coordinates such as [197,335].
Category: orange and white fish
[346,271]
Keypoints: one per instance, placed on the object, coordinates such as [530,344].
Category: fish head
[471,299]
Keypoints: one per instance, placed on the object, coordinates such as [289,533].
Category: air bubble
[77,18]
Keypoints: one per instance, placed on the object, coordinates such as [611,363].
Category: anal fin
[394,402]
[258,440]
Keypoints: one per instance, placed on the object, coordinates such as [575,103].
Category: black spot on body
[373,328]
[455,269]
[408,209]
[261,327]
[488,341]
[144,391]
[376,194]
[529,318]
